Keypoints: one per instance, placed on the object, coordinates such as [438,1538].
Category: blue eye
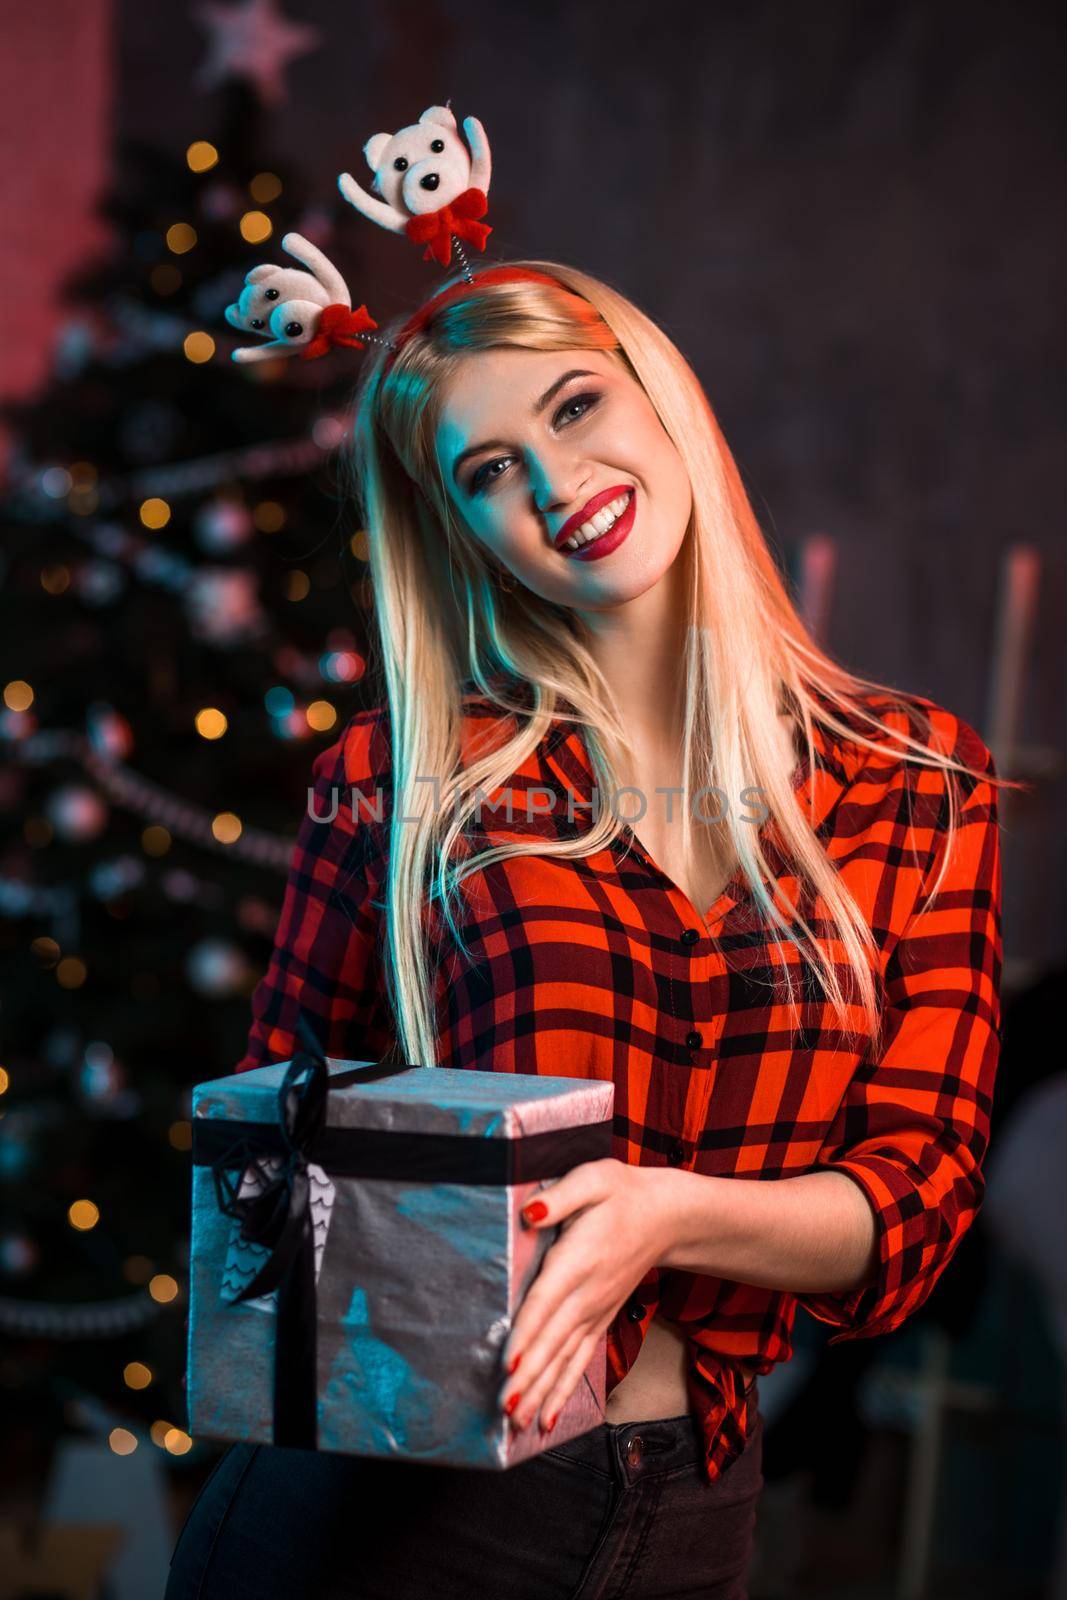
[484,473]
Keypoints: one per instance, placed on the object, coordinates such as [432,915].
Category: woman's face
[528,439]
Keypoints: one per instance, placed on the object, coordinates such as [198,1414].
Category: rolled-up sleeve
[325,959]
[913,1127]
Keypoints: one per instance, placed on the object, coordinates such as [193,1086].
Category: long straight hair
[442,621]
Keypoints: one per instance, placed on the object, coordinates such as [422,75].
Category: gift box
[358,1257]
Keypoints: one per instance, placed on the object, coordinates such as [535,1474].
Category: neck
[640,649]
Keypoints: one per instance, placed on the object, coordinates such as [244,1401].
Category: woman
[796,980]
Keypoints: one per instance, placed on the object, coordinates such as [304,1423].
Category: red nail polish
[551,1423]
[535,1211]
[511,1403]
[513,1363]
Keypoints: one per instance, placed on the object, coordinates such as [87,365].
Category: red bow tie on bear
[436,228]
[338,325]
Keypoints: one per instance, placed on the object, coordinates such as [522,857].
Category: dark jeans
[624,1510]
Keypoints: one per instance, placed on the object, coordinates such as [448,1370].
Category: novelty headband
[430,186]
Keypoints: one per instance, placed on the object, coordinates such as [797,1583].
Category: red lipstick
[590,509]
[607,542]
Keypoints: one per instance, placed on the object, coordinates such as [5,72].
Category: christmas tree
[185,602]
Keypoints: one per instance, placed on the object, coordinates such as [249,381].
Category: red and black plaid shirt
[604,968]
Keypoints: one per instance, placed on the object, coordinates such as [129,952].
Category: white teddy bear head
[281,302]
[285,305]
[422,167]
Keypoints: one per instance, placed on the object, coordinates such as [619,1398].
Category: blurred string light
[265,187]
[83,1215]
[55,579]
[165,278]
[18,695]
[201,156]
[198,347]
[341,666]
[321,716]
[163,1288]
[101,1083]
[329,432]
[268,516]
[166,1436]
[181,237]
[154,512]
[122,1441]
[255,226]
[56,482]
[279,701]
[227,827]
[211,723]
[136,1375]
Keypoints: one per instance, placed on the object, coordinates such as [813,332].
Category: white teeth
[604,519]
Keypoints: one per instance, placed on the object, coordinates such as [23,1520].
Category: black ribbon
[278,1218]
[278,1215]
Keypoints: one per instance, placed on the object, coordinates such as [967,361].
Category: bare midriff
[655,1385]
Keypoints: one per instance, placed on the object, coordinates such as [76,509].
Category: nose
[558,490]
[430,181]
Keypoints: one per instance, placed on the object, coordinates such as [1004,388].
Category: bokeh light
[226,827]
[180,237]
[255,227]
[155,513]
[83,1215]
[198,347]
[265,187]
[18,696]
[211,723]
[201,155]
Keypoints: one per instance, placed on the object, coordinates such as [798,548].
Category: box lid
[491,1105]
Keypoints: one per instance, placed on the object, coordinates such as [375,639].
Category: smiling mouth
[600,524]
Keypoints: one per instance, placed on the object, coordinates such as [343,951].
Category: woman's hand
[614,1229]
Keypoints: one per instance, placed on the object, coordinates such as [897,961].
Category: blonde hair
[442,620]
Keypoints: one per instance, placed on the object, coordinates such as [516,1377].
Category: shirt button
[635,1311]
[676,1154]
[690,936]
[635,1446]
[694,1040]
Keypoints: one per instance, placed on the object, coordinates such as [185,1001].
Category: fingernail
[513,1363]
[511,1403]
[535,1211]
[551,1423]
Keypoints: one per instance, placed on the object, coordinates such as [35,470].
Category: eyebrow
[545,400]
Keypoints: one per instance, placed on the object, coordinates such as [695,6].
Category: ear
[441,115]
[374,149]
[264,270]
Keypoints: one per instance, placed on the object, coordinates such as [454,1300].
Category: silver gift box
[417,1280]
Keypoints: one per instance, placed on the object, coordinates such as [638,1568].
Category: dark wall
[848,216]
